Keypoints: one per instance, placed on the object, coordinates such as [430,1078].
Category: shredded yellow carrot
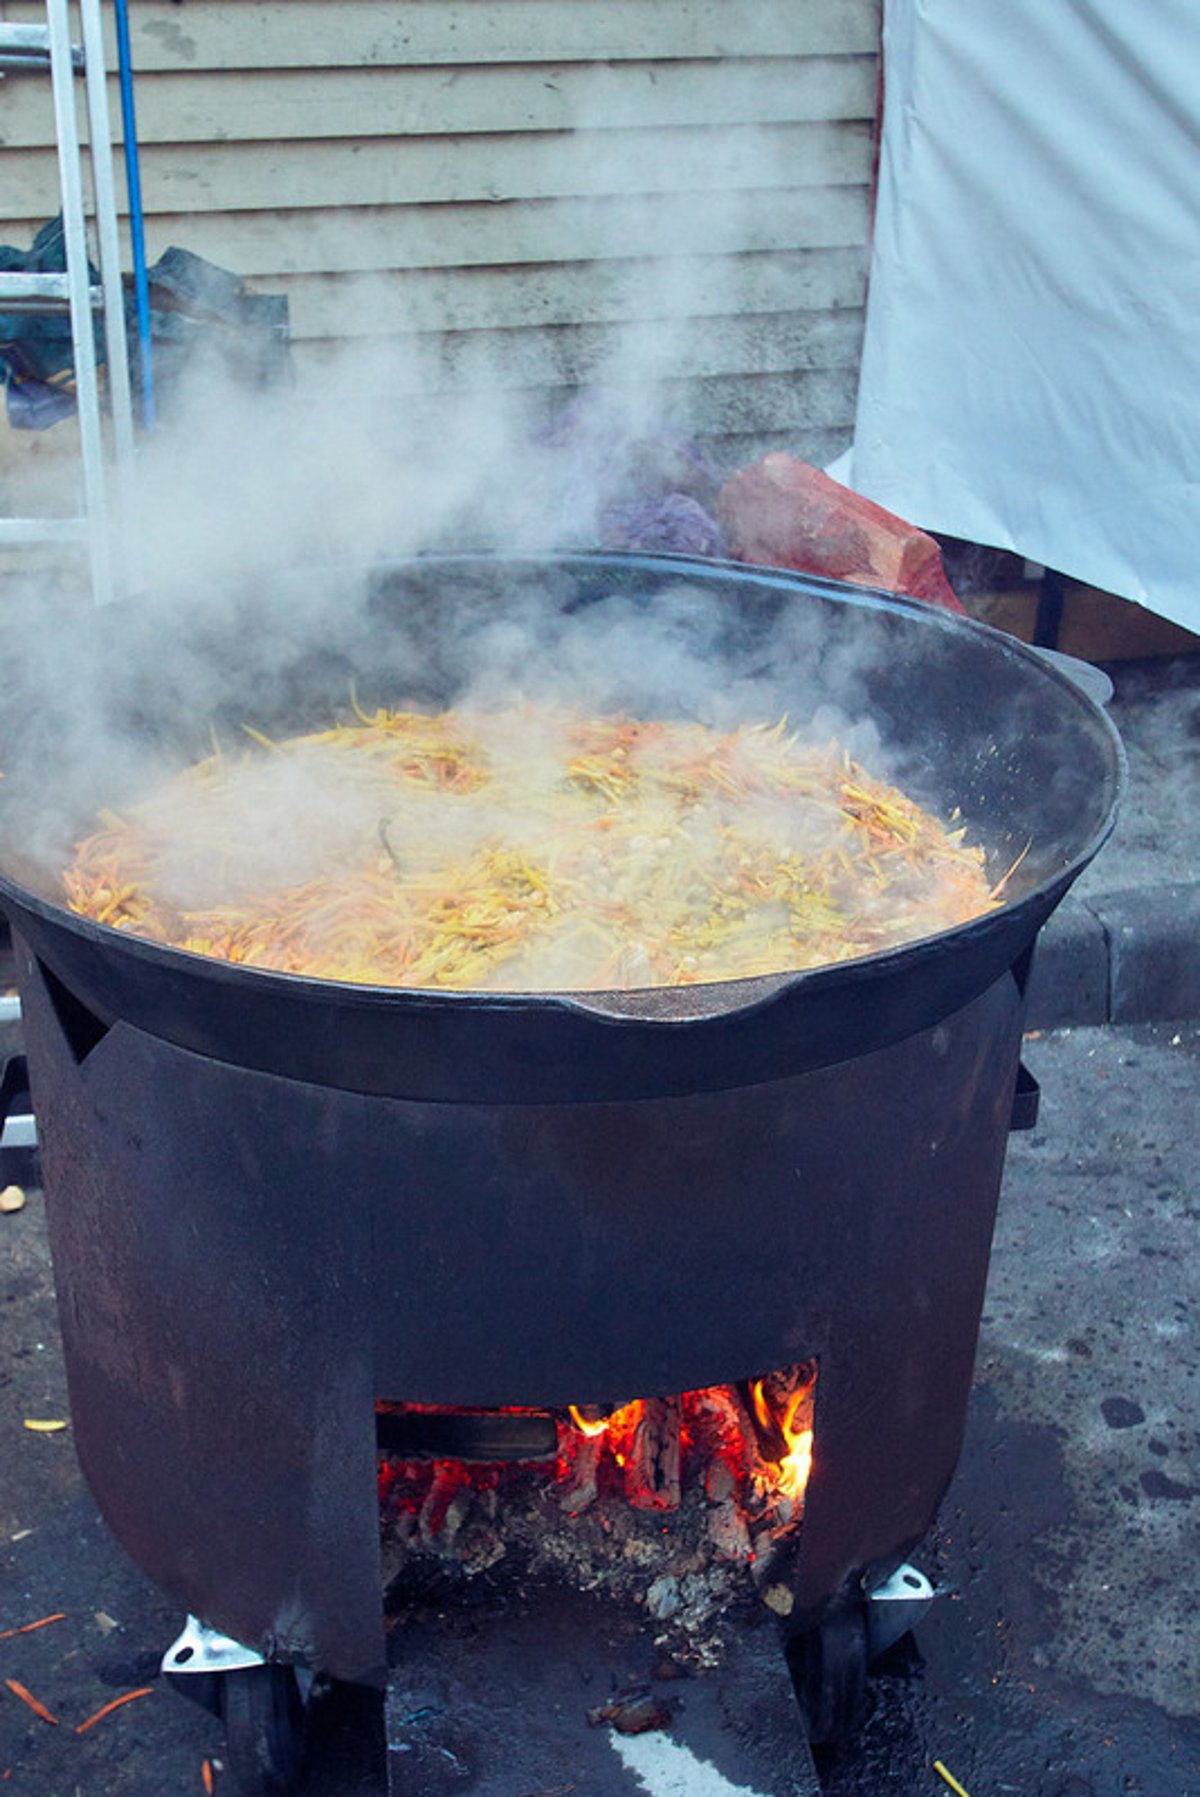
[27,1697]
[529,849]
[1001,883]
[27,1628]
[949,1778]
[116,1704]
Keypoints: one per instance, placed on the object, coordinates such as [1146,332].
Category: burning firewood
[726,1464]
[652,1480]
[745,1443]
[782,1409]
[446,1504]
[584,1453]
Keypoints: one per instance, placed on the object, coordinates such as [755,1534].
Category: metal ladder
[37,49]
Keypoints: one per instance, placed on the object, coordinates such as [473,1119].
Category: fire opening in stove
[680,1506]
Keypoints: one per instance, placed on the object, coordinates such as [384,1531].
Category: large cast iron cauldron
[274,1200]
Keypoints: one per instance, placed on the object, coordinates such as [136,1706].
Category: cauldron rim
[659,1014]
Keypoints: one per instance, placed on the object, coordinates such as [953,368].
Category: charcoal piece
[632,1713]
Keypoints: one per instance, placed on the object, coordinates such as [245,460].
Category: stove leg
[263,1706]
[828,1664]
[264,1716]
[829,1661]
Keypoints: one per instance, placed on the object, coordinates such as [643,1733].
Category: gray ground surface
[1061,1659]
[1124,946]
[1156,708]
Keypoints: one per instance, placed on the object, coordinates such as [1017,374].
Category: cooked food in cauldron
[528,848]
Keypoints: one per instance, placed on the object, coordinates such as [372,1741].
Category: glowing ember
[681,1505]
[790,1425]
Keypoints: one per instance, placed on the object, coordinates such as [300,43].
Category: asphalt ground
[1060,1658]
[1124,947]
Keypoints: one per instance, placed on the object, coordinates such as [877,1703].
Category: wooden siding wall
[520,187]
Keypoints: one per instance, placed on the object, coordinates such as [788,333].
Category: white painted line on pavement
[666,1768]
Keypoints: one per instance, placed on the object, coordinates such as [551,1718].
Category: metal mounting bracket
[895,1607]
[201,1649]
[200,1655]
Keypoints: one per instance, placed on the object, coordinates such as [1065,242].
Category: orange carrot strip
[27,1628]
[108,1708]
[39,1709]
[206,1776]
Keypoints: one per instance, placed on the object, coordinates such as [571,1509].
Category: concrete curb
[1119,957]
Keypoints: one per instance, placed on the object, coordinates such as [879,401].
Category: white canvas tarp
[1031,371]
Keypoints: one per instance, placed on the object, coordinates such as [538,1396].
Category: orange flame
[617,1422]
[587,1425]
[796,1465]
[791,1470]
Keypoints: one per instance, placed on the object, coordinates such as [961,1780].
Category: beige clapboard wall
[518,194]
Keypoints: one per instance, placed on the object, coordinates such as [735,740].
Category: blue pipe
[133,184]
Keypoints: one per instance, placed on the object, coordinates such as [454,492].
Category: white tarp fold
[1031,370]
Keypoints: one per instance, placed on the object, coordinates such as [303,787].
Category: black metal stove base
[497,1699]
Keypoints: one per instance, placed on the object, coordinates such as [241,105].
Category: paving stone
[1068,983]
[1154,952]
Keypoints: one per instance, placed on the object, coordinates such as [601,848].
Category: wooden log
[449,1479]
[584,1454]
[719,1421]
[652,1477]
[736,1448]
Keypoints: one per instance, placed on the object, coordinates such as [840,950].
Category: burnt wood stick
[652,1466]
[448,1479]
[730,1438]
[758,1463]
[583,1453]
[487,1436]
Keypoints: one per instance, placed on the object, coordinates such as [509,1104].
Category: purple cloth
[674,523]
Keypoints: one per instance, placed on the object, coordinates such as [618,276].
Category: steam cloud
[293,494]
